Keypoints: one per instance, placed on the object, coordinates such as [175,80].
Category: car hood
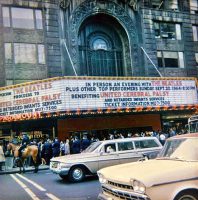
[81,157]
[151,172]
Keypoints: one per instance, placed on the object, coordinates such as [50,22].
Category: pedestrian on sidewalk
[2,158]
[46,152]
[85,142]
[76,145]
[67,147]
[56,148]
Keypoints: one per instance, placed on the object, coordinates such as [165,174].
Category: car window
[143,144]
[92,147]
[109,148]
[125,146]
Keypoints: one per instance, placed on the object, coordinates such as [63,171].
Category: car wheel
[64,177]
[187,196]
[76,174]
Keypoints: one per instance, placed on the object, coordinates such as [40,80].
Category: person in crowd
[67,147]
[71,144]
[40,144]
[34,142]
[162,138]
[129,135]
[40,147]
[167,135]
[182,131]
[144,134]
[15,140]
[84,143]
[47,152]
[136,134]
[24,143]
[56,148]
[116,135]
[110,149]
[172,132]
[93,139]
[156,134]
[2,157]
[62,148]
[76,145]
[120,136]
[5,145]
[111,136]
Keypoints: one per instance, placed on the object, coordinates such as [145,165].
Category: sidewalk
[8,169]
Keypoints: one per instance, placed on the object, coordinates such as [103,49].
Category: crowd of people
[57,148]
[50,148]
[74,145]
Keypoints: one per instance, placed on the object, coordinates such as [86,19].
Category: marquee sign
[32,100]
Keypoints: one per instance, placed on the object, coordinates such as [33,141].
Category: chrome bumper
[63,171]
[55,168]
[110,193]
[101,196]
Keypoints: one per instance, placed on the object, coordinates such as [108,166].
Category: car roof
[189,135]
[129,139]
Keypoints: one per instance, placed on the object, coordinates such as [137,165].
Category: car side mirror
[101,153]
[146,157]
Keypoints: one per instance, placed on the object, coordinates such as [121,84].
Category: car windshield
[92,147]
[180,149]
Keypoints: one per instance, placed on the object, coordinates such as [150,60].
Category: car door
[108,155]
[127,152]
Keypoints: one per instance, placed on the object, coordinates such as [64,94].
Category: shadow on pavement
[87,179]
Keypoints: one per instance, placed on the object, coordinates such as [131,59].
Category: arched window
[99,44]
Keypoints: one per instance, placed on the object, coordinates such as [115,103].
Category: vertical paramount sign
[31,100]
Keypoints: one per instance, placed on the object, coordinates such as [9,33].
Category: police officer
[84,143]
[76,145]
[47,152]
[24,143]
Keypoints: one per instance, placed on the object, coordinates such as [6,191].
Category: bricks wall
[185,45]
[49,36]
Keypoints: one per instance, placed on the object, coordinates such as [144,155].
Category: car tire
[76,174]
[188,195]
[64,177]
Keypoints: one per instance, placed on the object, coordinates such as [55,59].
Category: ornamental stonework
[90,7]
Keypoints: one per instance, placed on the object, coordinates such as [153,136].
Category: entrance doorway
[100,44]
[102,126]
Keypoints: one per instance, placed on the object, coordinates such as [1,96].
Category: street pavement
[45,185]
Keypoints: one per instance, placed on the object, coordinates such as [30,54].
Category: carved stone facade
[138,24]
[92,7]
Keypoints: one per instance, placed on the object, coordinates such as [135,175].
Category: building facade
[41,39]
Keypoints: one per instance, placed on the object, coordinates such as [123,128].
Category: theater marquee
[32,100]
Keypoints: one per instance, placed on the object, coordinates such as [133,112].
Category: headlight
[138,186]
[102,179]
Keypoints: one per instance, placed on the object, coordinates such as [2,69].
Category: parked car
[103,154]
[171,176]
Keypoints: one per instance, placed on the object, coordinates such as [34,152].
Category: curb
[26,170]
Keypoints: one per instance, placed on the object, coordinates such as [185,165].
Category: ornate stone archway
[93,7]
